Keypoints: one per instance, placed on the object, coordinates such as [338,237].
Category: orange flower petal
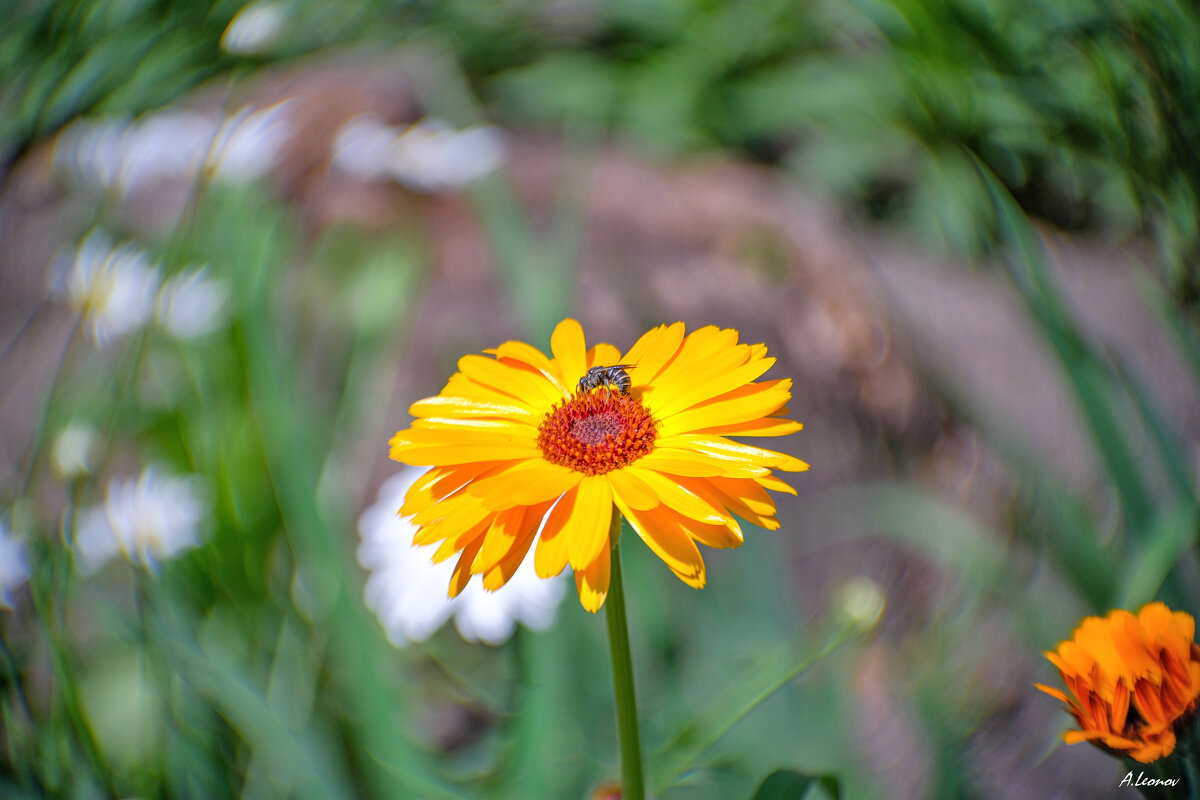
[1129,690]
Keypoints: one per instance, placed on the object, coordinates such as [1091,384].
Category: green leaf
[786,784]
[1085,370]
[1168,539]
[777,670]
[314,773]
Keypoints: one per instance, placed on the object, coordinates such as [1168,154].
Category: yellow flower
[517,447]
[1134,678]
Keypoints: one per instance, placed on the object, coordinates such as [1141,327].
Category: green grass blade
[248,713]
[776,672]
[1170,537]
[1080,365]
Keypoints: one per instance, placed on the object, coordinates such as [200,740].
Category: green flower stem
[632,782]
[1191,771]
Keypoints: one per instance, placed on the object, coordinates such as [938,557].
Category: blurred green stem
[357,652]
[64,676]
[1191,770]
[632,782]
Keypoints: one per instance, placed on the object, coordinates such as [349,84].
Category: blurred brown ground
[866,325]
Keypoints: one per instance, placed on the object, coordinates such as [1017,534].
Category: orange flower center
[596,432]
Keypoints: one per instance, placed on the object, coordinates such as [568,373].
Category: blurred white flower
[192,304]
[248,144]
[113,289]
[145,521]
[123,156]
[164,146]
[255,28]
[432,157]
[14,569]
[408,592]
[428,156]
[71,453]
[363,146]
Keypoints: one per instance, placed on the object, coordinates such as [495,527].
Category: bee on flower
[1133,680]
[523,457]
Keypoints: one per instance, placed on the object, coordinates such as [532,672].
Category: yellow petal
[462,570]
[661,529]
[744,497]
[747,493]
[704,355]
[468,509]
[774,484]
[587,530]
[676,461]
[653,351]
[635,492]
[499,539]
[460,386]
[550,557]
[527,384]
[592,582]
[718,536]
[524,483]
[506,433]
[745,404]
[603,355]
[570,350]
[472,408]
[500,574]
[456,543]
[439,483]
[720,446]
[530,355]
[768,426]
[678,498]
[446,455]
[456,427]
[664,405]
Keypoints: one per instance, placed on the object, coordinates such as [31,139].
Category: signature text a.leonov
[1142,780]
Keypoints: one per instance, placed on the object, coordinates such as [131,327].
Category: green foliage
[791,785]
[59,60]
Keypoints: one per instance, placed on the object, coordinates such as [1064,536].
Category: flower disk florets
[596,432]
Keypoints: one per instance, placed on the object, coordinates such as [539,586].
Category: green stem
[632,782]
[1191,771]
[65,676]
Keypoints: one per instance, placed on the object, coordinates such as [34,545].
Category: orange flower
[1133,680]
[520,451]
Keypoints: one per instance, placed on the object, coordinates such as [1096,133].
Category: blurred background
[238,241]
